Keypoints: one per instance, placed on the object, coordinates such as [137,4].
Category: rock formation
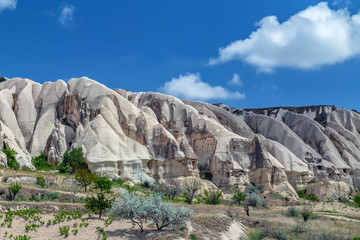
[148,136]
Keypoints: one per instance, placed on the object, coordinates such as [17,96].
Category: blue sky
[246,54]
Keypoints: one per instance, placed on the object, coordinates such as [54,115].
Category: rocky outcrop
[326,138]
[148,136]
[118,139]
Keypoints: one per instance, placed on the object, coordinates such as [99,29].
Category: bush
[238,197]
[212,197]
[11,159]
[293,212]
[324,236]
[302,194]
[64,230]
[41,163]
[84,177]
[40,180]
[98,204]
[357,199]
[298,229]
[63,168]
[103,184]
[279,234]
[253,200]
[145,184]
[14,189]
[140,210]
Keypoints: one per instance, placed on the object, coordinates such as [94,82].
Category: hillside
[146,136]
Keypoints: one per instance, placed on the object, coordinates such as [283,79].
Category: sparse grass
[333,218]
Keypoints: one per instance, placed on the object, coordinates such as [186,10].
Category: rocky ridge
[148,136]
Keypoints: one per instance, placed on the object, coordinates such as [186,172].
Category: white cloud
[66,15]
[236,81]
[311,38]
[7,4]
[342,2]
[190,86]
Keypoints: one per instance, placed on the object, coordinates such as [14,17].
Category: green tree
[238,197]
[357,199]
[72,160]
[98,204]
[11,159]
[306,213]
[40,180]
[84,177]
[212,197]
[40,162]
[14,189]
[103,184]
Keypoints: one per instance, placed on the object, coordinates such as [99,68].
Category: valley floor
[331,220]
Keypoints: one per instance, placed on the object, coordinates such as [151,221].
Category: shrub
[279,234]
[22,237]
[145,184]
[103,184]
[293,212]
[324,236]
[286,199]
[306,213]
[64,230]
[98,204]
[212,197]
[357,199]
[75,231]
[102,233]
[193,237]
[302,194]
[41,163]
[190,189]
[238,197]
[71,160]
[298,229]
[253,200]
[40,180]
[11,159]
[14,189]
[84,177]
[140,210]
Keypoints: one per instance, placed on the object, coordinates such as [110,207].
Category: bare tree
[190,188]
[168,190]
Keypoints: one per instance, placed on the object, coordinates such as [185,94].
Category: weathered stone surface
[328,190]
[145,136]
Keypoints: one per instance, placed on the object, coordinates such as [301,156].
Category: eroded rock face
[326,138]
[118,139]
[150,135]
[228,152]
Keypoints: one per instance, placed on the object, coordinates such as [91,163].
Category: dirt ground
[116,230]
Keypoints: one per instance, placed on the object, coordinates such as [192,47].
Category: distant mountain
[148,136]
